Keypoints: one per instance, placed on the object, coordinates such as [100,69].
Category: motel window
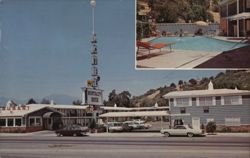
[248,25]
[206,109]
[205,101]
[18,122]
[218,100]
[182,101]
[232,100]
[232,121]
[182,110]
[38,121]
[32,121]
[248,4]
[171,102]
[194,102]
[35,121]
[10,122]
[2,122]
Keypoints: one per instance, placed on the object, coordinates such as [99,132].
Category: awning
[48,114]
[135,114]
[240,16]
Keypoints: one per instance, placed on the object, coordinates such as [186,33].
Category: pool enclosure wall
[188,28]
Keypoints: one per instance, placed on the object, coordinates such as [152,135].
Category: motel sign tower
[92,95]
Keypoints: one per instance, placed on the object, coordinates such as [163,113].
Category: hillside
[229,79]
[174,11]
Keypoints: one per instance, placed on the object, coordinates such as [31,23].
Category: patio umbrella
[201,23]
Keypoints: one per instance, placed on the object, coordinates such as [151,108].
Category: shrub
[92,124]
[211,127]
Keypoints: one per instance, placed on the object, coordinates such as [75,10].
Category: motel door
[196,122]
[235,30]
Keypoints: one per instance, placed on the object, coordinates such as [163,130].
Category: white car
[181,130]
[115,126]
[134,124]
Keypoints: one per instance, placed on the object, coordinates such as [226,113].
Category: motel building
[228,108]
[37,117]
[235,18]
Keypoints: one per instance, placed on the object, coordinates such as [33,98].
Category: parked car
[181,130]
[134,124]
[137,124]
[115,126]
[72,130]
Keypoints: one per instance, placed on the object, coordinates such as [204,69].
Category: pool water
[199,43]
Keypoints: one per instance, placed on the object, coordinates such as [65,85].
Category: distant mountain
[61,98]
[4,100]
[228,79]
[57,98]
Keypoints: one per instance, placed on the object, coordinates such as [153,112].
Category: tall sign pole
[92,95]
[94,61]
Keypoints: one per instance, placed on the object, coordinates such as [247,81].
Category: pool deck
[176,59]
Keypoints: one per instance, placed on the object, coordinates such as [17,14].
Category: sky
[45,49]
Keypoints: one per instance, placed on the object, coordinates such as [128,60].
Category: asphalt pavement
[122,145]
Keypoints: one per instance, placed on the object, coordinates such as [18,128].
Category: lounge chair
[148,46]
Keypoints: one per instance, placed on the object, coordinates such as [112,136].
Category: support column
[14,122]
[227,22]
[6,122]
[238,28]
[238,23]
[107,128]
[161,122]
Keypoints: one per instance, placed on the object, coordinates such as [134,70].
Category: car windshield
[180,127]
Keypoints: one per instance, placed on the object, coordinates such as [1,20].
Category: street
[46,145]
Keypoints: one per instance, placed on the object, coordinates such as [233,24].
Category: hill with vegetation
[228,79]
[173,11]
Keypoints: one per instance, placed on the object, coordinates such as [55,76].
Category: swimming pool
[199,43]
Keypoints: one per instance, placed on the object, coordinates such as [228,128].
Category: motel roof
[135,114]
[213,92]
[23,110]
[27,109]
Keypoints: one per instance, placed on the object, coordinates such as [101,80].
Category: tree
[31,101]
[172,85]
[45,101]
[211,127]
[124,99]
[192,82]
[92,124]
[180,82]
[77,102]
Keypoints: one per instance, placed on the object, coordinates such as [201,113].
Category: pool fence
[188,28]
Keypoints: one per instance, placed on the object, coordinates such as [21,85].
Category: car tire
[166,134]
[190,134]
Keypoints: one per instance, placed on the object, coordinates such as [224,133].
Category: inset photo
[193,34]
